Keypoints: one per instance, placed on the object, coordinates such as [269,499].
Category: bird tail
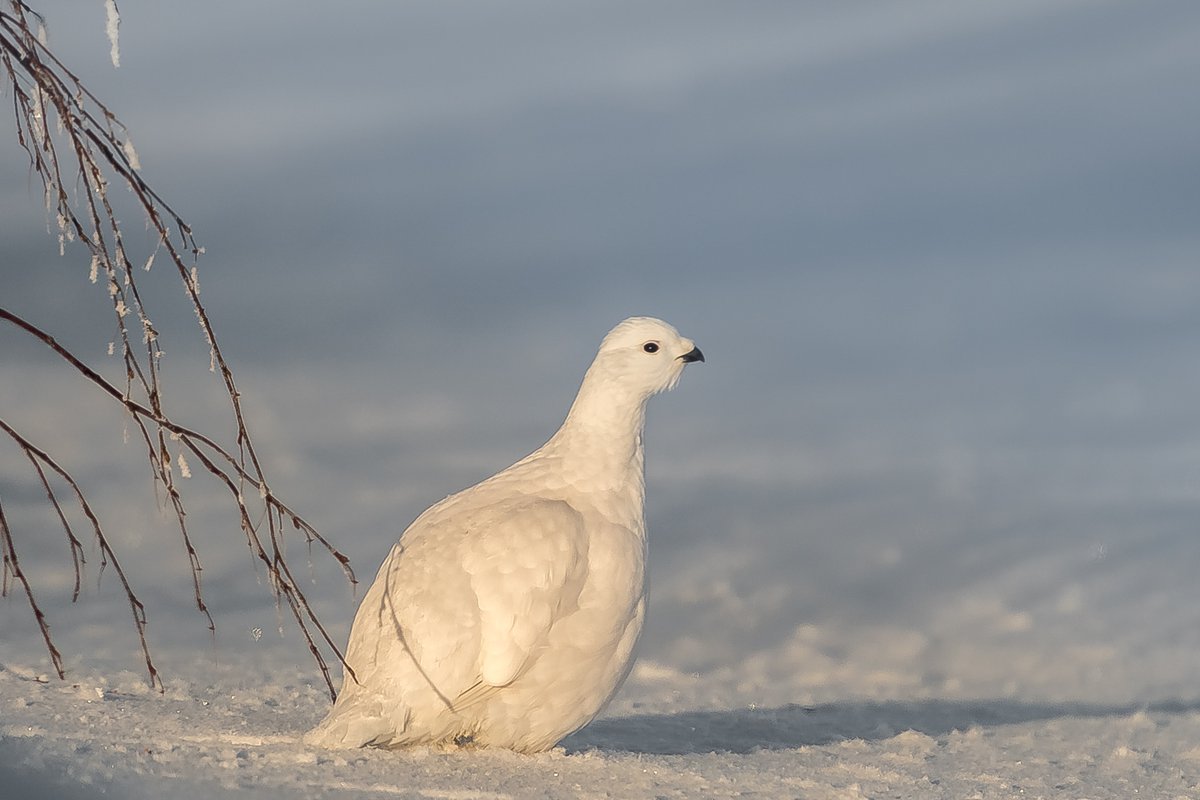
[359,722]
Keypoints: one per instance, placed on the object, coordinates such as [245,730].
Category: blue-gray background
[943,258]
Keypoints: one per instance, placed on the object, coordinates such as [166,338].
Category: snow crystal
[112,24]
[132,156]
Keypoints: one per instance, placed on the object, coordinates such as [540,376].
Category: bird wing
[417,623]
[527,560]
[467,597]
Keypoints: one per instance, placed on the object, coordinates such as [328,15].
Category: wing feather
[526,560]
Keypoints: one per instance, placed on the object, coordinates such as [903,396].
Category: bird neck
[601,440]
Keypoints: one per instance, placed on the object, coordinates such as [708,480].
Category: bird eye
[650,347]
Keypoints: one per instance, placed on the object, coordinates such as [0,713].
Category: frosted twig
[78,148]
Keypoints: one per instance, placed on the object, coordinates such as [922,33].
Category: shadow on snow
[791,726]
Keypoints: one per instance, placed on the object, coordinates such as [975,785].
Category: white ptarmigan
[507,614]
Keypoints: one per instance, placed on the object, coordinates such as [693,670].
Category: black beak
[692,355]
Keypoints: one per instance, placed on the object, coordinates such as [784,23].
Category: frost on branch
[112,24]
[78,148]
[131,154]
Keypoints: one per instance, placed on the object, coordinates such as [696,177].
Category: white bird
[507,614]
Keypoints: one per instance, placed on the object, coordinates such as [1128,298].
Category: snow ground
[234,735]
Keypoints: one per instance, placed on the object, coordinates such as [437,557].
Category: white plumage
[507,614]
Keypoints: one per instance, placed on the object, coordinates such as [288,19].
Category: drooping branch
[107,554]
[12,566]
[76,146]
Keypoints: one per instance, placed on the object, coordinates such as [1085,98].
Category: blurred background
[943,259]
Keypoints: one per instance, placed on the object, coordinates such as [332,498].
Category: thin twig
[12,566]
[107,553]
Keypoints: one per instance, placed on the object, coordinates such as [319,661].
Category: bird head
[645,355]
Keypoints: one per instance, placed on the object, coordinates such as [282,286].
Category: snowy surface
[234,735]
[925,525]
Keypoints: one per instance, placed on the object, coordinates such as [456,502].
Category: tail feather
[359,722]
